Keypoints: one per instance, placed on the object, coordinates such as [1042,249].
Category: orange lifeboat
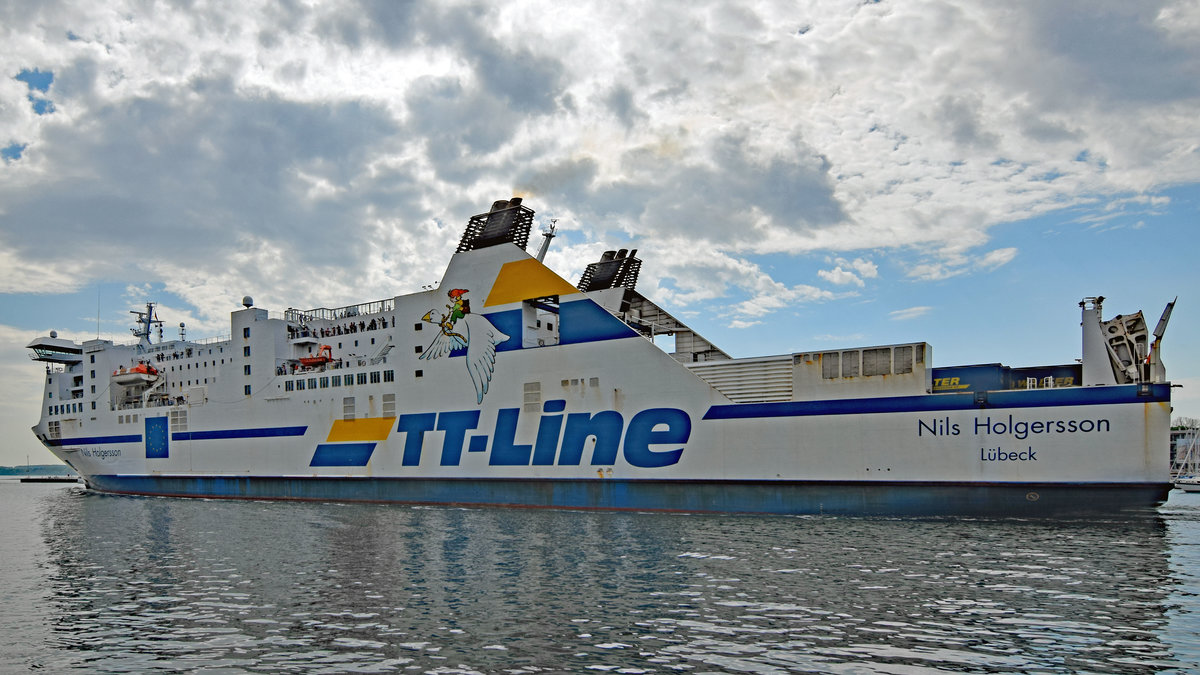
[324,355]
[142,373]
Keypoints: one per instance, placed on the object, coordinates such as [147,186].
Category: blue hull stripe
[585,321]
[221,434]
[342,454]
[1038,398]
[771,497]
[511,323]
[95,440]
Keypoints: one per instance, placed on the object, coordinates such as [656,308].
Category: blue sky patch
[36,79]
[13,152]
[41,106]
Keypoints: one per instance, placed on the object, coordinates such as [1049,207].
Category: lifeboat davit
[324,355]
[142,373]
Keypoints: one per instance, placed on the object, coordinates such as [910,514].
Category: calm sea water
[105,584]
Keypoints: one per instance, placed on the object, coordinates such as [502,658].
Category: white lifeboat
[142,373]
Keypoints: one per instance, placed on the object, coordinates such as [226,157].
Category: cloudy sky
[795,175]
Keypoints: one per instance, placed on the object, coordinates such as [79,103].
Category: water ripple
[120,584]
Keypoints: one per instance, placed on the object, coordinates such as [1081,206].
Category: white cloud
[996,258]
[865,268]
[240,149]
[909,313]
[739,323]
[840,277]
[934,271]
[780,297]
[862,269]
[19,274]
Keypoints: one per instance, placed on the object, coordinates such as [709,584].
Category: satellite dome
[53,334]
[247,301]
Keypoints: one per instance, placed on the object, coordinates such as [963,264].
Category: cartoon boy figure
[461,305]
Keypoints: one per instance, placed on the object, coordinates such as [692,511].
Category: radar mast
[145,323]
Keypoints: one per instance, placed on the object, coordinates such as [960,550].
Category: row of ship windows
[162,355]
[181,385]
[178,419]
[66,408]
[349,380]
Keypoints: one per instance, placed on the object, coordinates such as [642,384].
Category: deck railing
[339,313]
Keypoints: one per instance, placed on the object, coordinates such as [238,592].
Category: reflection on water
[144,584]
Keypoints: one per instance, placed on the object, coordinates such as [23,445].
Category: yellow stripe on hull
[370,429]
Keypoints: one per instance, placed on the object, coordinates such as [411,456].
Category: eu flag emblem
[156,438]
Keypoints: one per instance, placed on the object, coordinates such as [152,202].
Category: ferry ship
[506,384]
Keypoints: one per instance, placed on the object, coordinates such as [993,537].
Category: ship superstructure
[508,385]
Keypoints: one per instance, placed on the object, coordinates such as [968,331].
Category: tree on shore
[1185,423]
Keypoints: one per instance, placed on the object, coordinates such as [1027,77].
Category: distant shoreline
[37,470]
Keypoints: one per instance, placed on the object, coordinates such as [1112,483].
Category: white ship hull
[760,464]
[542,395]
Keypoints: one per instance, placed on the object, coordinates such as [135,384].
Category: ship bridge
[54,349]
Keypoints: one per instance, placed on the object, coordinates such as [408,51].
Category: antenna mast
[547,235]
